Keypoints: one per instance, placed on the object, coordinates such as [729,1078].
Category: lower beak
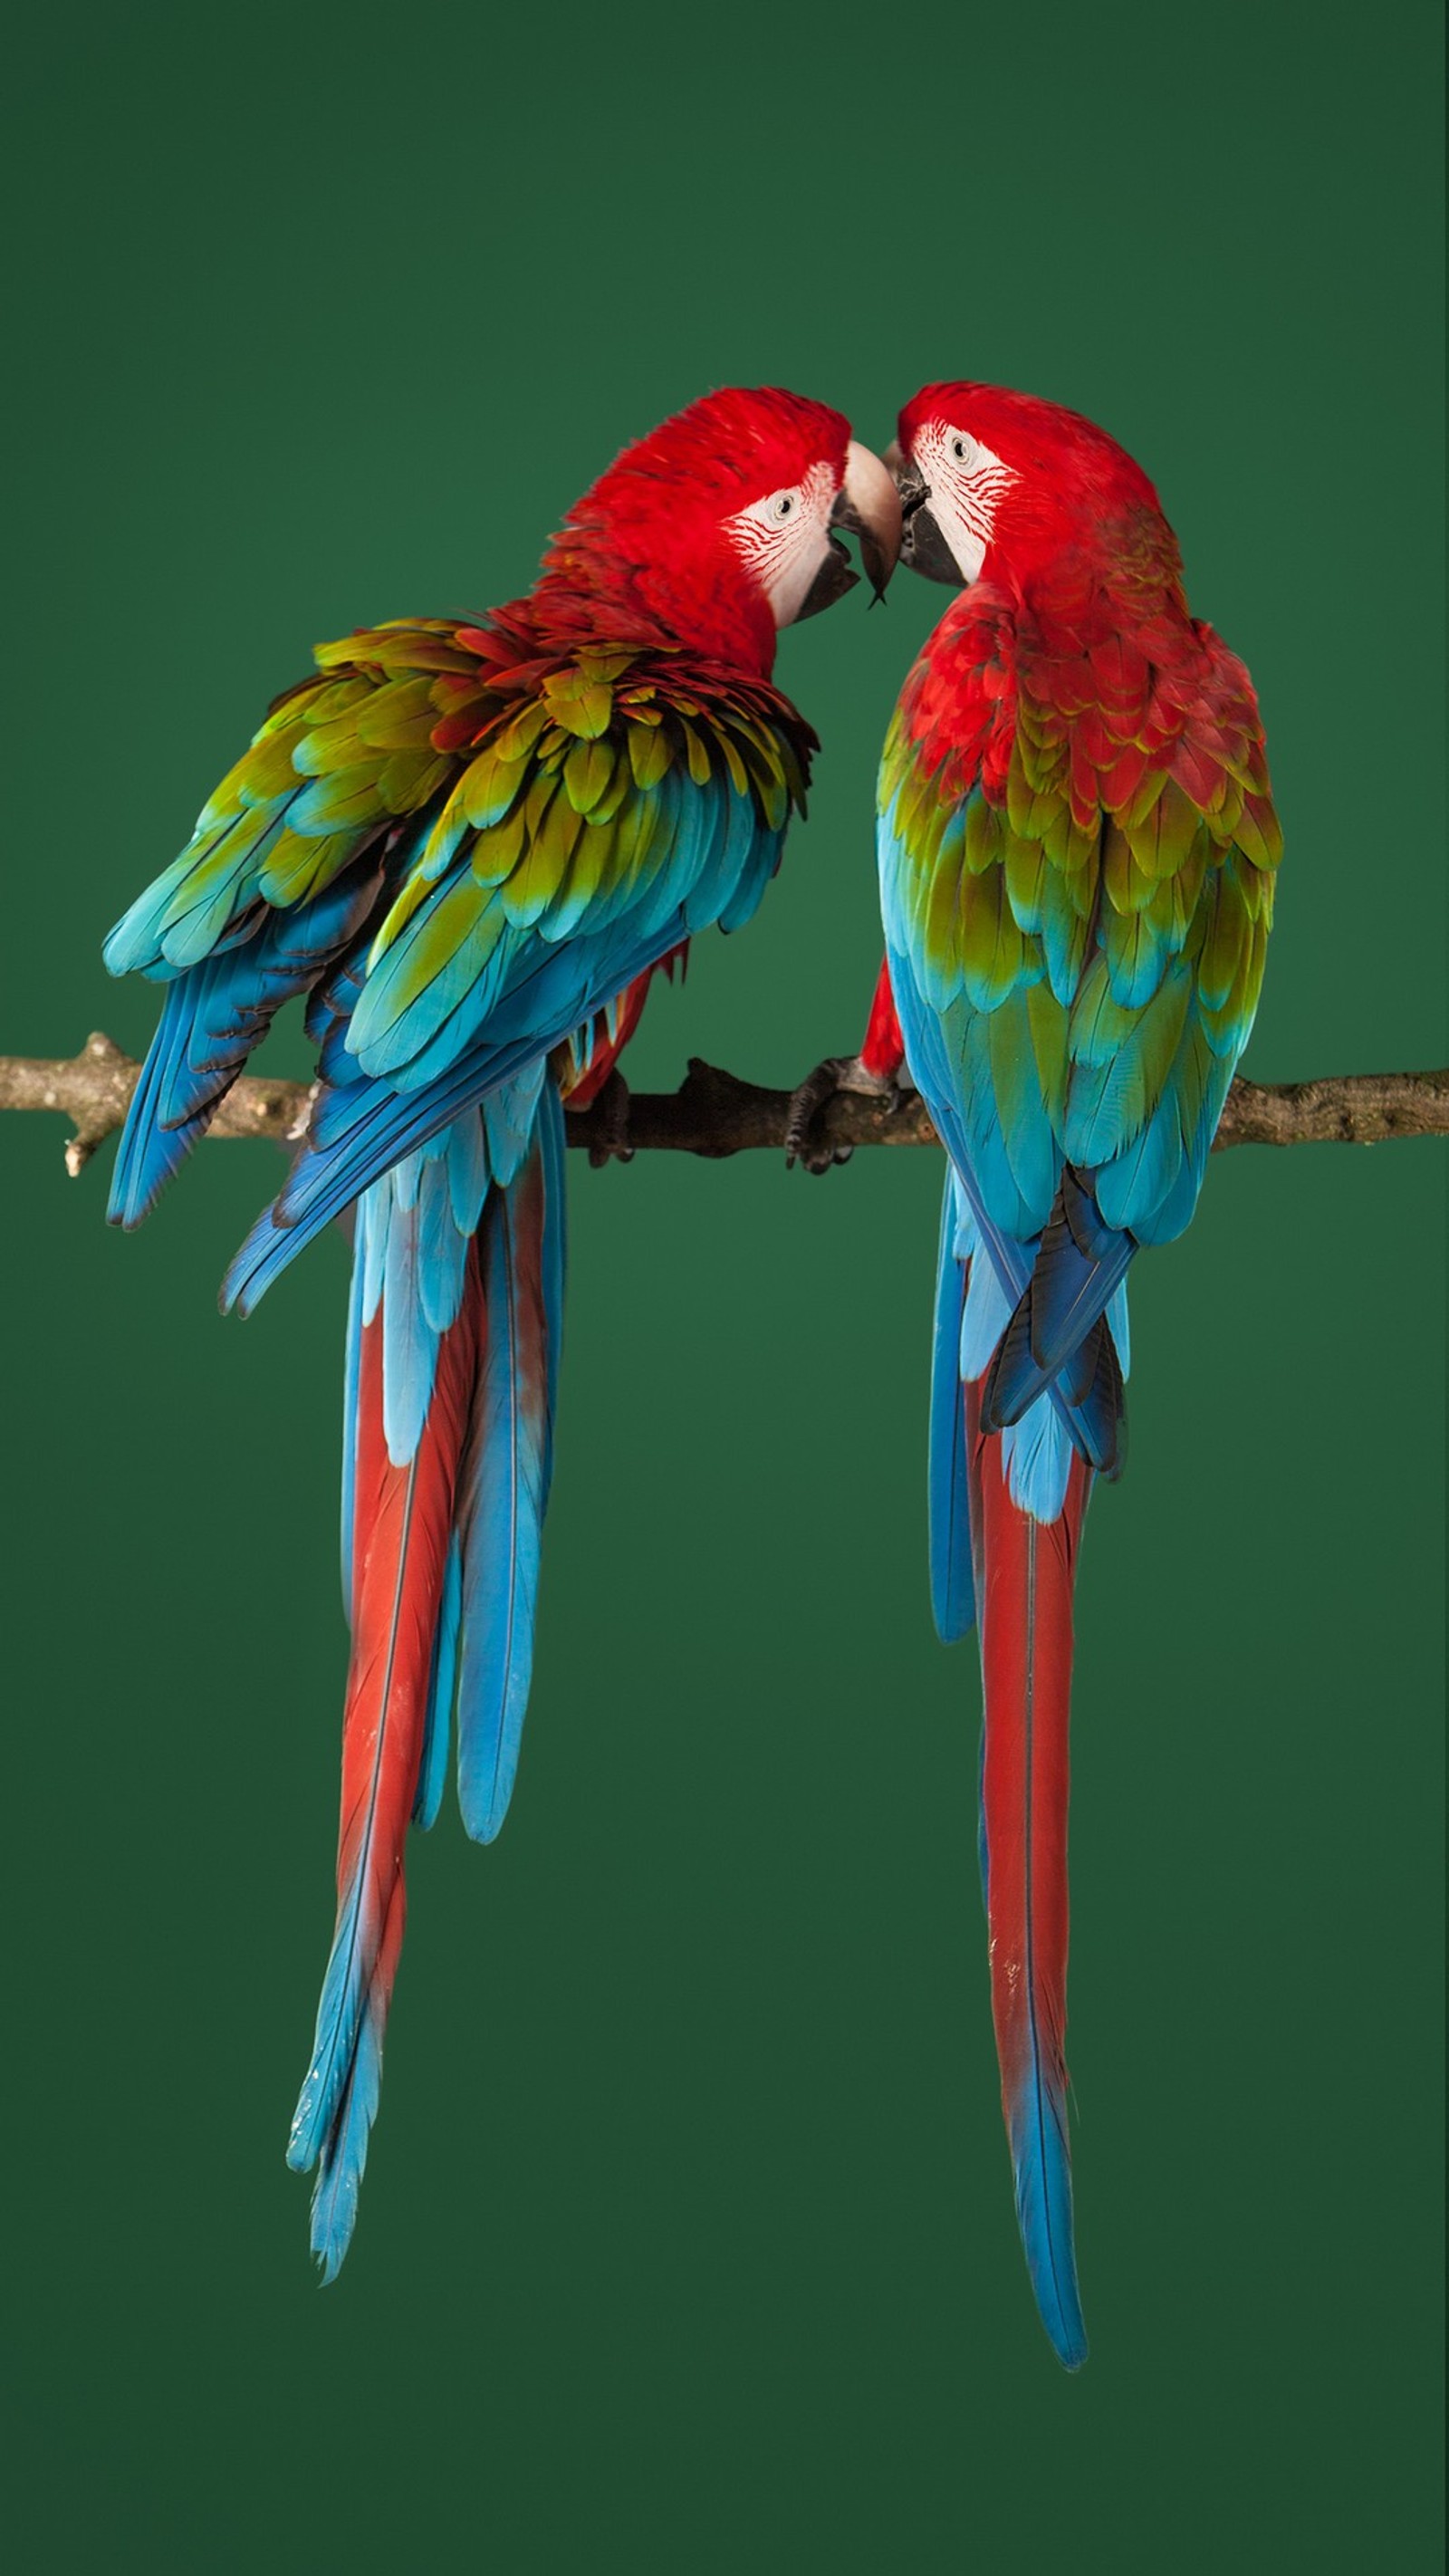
[922,545]
[868,505]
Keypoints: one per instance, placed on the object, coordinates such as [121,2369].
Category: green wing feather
[627,779]
[1078,852]
[526,767]
[340,761]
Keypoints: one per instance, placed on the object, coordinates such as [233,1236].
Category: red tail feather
[401,1523]
[1025,1571]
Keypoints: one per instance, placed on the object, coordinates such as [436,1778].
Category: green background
[687,2240]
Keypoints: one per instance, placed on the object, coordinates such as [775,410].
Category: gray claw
[806,1103]
[610,1111]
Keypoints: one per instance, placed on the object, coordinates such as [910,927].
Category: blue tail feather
[341,2012]
[342,2154]
[433,1769]
[1040,2155]
[351,1366]
[953,1595]
[508,1472]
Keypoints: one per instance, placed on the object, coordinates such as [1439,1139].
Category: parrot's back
[1077,857]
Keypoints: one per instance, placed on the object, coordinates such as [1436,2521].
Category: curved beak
[922,545]
[869,506]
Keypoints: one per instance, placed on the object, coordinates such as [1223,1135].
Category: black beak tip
[924,549]
[874,565]
[836,576]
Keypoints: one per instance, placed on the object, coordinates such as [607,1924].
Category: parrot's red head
[1002,484]
[717,529]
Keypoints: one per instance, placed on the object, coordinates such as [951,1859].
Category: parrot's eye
[777,509]
[961,448]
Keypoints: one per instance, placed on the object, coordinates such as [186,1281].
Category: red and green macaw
[470,843]
[1077,856]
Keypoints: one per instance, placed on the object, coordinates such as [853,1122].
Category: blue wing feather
[399,1072]
[1011,1260]
[361,1128]
[212,1016]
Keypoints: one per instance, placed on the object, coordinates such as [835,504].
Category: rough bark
[715,1114]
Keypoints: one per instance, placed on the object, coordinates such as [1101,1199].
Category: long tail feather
[1024,1578]
[510,1463]
[953,1599]
[401,1530]
[343,2152]
[433,1769]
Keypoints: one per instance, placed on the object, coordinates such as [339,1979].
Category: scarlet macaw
[1077,852]
[471,843]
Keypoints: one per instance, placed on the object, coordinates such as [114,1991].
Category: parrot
[468,843]
[1078,850]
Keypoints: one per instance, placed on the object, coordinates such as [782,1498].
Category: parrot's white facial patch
[965,482]
[784,537]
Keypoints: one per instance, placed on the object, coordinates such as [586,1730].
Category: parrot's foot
[837,1073]
[303,1117]
[609,1120]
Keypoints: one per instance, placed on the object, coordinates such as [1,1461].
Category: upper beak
[922,545]
[869,505]
[910,483]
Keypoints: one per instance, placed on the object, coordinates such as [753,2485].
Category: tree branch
[715,1114]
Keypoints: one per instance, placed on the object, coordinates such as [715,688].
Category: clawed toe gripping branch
[716,1114]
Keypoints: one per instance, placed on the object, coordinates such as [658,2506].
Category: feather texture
[212,1015]
[503,939]
[1077,854]
[470,844]
[952,1588]
[1083,928]
[457,1291]
[1024,1586]
[403,1518]
[505,1485]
